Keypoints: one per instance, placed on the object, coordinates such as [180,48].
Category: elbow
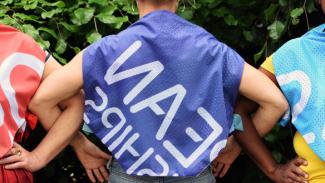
[36,104]
[282,105]
[76,103]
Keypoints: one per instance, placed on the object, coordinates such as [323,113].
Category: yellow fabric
[268,65]
[316,167]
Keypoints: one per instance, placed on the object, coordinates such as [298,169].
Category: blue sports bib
[160,95]
[300,71]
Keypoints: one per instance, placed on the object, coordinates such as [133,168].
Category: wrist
[41,158]
[233,145]
[77,140]
[271,172]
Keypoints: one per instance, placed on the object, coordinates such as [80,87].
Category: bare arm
[260,89]
[62,122]
[271,105]
[262,123]
[56,90]
[67,123]
[59,86]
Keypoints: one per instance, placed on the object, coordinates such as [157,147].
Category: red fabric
[31,120]
[31,125]
[21,67]
[15,176]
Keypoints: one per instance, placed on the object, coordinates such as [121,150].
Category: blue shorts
[117,175]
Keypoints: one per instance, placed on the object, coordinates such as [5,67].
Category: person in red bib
[23,65]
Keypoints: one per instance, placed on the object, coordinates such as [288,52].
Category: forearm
[78,139]
[62,131]
[253,145]
[264,119]
[47,124]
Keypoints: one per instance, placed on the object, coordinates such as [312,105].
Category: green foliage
[65,27]
[259,25]
[276,29]
[57,25]
[254,28]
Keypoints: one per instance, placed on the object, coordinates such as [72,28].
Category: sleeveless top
[300,71]
[160,95]
[21,69]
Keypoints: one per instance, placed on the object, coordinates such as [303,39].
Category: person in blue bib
[160,95]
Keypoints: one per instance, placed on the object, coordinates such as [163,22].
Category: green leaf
[50,14]
[25,17]
[60,59]
[91,38]
[295,13]
[30,5]
[116,22]
[76,49]
[131,9]
[60,46]
[276,29]
[258,55]
[3,10]
[30,30]
[59,4]
[50,31]
[248,36]
[295,21]
[44,44]
[69,27]
[108,11]
[186,13]
[100,2]
[82,16]
[6,2]
[230,20]
[8,21]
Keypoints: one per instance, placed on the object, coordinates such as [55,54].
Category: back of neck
[147,7]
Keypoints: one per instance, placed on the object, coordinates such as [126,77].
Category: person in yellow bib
[316,166]
[298,69]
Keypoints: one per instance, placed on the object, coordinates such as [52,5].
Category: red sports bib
[21,69]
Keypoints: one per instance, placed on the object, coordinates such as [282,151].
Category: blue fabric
[160,95]
[237,123]
[300,71]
